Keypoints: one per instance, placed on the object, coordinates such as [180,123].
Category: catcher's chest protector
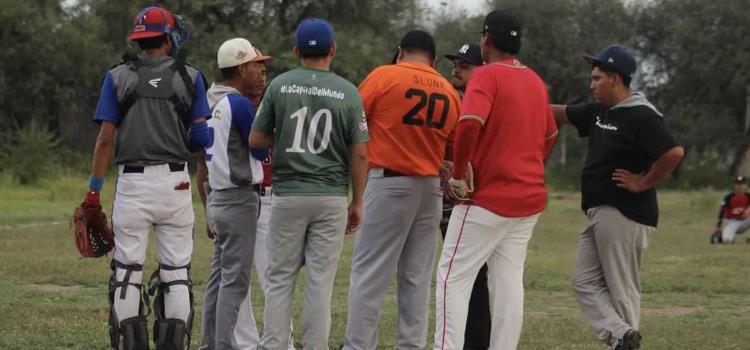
[155,111]
[153,84]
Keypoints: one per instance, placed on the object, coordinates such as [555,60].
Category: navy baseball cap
[469,52]
[615,58]
[417,39]
[505,30]
[314,35]
[740,180]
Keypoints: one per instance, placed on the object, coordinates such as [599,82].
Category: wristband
[96,183]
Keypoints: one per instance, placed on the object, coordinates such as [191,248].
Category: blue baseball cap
[615,58]
[314,34]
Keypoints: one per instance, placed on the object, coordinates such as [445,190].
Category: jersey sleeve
[264,119]
[369,90]
[108,108]
[358,132]
[199,107]
[581,116]
[243,114]
[479,96]
[654,136]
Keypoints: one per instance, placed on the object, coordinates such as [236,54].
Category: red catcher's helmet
[151,22]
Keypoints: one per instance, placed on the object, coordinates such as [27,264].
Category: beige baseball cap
[237,51]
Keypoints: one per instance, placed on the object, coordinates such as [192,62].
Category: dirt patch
[56,288]
[674,311]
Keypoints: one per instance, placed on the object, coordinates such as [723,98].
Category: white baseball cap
[235,52]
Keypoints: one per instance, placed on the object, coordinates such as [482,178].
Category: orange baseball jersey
[411,112]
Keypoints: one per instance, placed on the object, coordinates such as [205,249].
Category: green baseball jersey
[314,116]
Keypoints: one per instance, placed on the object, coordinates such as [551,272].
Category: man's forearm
[101,159]
[103,149]
[467,137]
[259,139]
[663,166]
[201,175]
[561,117]
[359,173]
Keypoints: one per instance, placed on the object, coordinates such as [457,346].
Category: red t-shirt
[734,206]
[508,161]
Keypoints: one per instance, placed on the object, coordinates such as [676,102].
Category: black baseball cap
[505,30]
[469,52]
[615,58]
[417,39]
[740,180]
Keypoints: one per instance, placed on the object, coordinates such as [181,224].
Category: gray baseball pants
[305,230]
[733,227]
[232,215]
[606,276]
[399,234]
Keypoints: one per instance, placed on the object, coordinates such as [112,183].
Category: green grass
[695,296]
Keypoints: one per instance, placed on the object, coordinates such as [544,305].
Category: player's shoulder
[192,71]
[341,88]
[342,82]
[285,77]
[386,69]
[238,101]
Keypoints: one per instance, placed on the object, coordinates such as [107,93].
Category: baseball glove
[445,175]
[93,236]
[461,190]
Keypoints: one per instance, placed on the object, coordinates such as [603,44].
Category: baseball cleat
[631,340]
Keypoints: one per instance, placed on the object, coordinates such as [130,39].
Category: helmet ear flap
[180,34]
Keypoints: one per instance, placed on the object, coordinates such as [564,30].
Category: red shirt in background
[512,102]
[734,206]
[267,174]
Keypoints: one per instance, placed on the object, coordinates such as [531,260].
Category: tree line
[694,61]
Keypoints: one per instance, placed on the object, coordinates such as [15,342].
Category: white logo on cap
[312,42]
[464,49]
[513,33]
[610,60]
[154,82]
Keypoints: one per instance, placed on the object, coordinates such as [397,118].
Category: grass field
[695,296]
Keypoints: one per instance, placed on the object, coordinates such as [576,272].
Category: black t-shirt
[630,138]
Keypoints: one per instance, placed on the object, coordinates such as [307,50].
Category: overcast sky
[473,6]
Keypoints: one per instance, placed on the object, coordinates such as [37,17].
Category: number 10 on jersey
[312,131]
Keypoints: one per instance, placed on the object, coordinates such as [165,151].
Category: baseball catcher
[93,236]
[152,113]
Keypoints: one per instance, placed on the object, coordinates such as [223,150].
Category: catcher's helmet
[151,22]
[155,21]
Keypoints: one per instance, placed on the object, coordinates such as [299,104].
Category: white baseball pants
[154,199]
[477,236]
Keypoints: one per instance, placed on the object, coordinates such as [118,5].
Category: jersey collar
[511,62]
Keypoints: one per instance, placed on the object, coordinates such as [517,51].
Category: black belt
[391,173]
[173,167]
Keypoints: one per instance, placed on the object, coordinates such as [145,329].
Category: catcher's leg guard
[126,309]
[171,334]
[134,332]
[173,299]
